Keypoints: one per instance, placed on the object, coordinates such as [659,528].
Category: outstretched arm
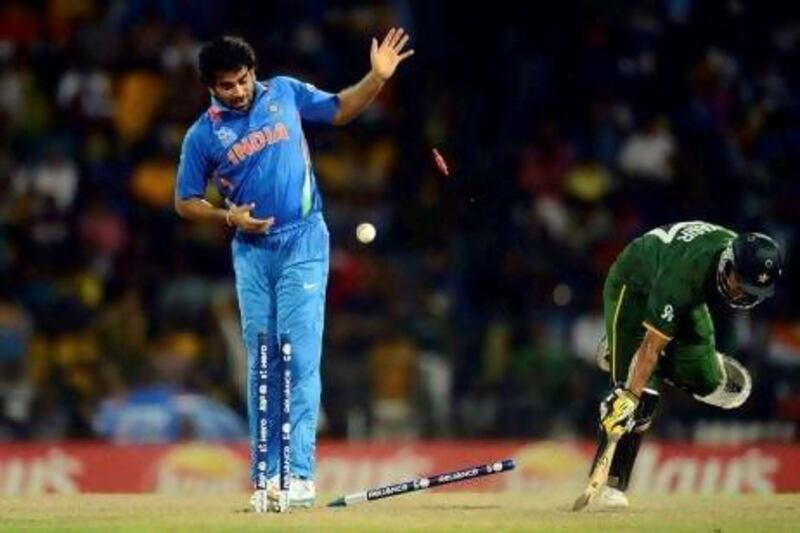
[618,409]
[384,60]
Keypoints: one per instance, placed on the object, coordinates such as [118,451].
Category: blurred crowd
[569,129]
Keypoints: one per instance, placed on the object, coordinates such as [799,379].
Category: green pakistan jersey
[661,281]
[671,265]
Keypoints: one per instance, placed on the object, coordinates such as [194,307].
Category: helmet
[756,261]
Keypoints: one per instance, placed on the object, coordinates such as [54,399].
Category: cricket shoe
[302,492]
[611,498]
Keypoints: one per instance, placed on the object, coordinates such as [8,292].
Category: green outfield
[432,512]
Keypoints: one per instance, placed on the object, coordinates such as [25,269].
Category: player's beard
[241,104]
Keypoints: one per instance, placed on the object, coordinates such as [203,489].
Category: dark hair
[224,54]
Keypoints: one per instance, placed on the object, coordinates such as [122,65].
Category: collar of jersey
[259,89]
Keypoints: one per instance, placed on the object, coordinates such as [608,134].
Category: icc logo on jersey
[668,313]
[226,136]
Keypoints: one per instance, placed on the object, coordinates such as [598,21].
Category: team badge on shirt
[226,136]
[273,108]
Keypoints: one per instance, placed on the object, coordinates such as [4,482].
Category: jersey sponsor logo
[226,136]
[257,141]
[683,231]
[668,314]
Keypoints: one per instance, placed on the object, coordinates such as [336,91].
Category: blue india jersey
[258,156]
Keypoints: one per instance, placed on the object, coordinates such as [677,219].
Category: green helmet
[756,260]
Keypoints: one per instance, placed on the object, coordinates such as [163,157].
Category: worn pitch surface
[429,511]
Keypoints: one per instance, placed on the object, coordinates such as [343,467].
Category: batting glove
[617,410]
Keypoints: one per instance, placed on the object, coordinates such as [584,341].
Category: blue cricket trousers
[281,279]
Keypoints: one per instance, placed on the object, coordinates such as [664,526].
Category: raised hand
[389,54]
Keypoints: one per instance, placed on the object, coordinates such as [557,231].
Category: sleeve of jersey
[667,303]
[314,105]
[193,168]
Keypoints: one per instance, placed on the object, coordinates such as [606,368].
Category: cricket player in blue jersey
[250,144]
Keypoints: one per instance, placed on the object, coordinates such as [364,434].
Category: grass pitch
[430,511]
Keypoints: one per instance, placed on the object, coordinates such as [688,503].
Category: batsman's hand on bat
[616,412]
[389,54]
[239,216]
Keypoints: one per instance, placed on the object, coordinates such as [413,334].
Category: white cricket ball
[365,233]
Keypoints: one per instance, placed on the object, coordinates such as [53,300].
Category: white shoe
[302,492]
[611,498]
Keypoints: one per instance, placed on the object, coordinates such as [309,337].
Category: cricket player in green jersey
[659,329]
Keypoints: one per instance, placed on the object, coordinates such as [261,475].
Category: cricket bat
[599,476]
